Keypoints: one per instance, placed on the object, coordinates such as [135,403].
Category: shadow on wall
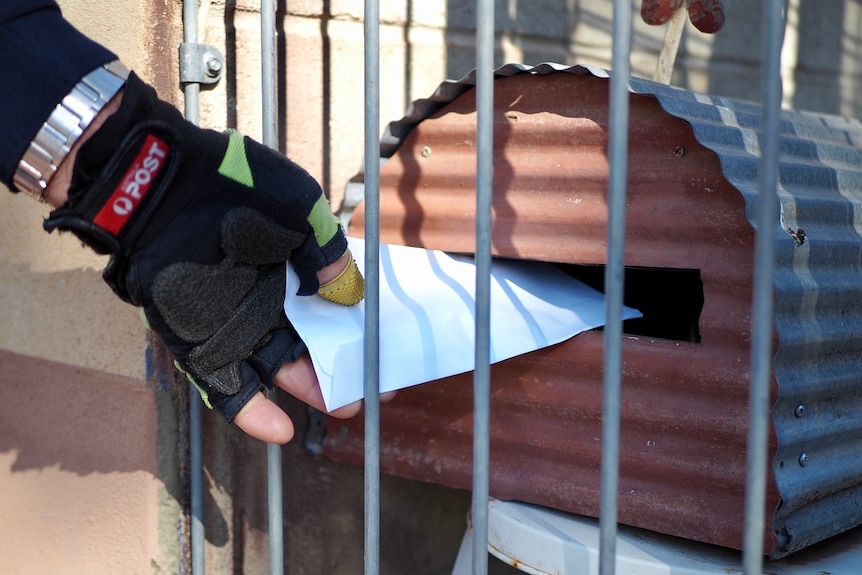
[539,30]
[821,45]
[820,54]
[562,31]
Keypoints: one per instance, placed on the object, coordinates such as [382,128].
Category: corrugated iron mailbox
[689,256]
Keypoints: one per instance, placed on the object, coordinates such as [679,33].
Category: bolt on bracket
[200,64]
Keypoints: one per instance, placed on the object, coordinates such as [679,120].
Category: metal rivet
[213,67]
[426,151]
[803,459]
[678,151]
[799,411]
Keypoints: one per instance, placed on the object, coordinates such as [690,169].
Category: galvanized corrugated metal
[692,189]
[817,416]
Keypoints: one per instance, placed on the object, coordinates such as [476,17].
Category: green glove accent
[204,395]
[323,222]
[234,165]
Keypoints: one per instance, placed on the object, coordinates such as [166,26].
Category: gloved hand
[706,15]
[199,225]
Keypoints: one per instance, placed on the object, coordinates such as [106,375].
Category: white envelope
[427,318]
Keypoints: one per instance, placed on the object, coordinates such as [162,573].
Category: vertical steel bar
[275,503]
[372,287]
[484,194]
[764,265]
[267,73]
[196,480]
[191,91]
[614,273]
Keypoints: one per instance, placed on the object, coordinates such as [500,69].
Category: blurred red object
[656,12]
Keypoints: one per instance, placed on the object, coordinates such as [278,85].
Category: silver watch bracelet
[65,125]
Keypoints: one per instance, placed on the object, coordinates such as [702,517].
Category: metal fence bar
[372,287]
[196,481]
[275,503]
[267,73]
[764,265]
[614,274]
[484,194]
[191,91]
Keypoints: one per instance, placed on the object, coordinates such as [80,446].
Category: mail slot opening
[669,299]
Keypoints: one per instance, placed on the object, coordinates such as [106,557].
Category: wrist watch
[65,125]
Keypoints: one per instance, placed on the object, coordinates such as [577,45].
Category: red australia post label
[130,192]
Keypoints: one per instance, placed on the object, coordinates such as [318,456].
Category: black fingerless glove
[199,225]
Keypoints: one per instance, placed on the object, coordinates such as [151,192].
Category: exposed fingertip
[347,411]
[264,420]
[299,380]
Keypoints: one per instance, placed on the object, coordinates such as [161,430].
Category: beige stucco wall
[82,487]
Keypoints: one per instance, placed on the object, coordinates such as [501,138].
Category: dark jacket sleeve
[41,58]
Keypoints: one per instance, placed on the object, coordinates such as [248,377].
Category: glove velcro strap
[127,188]
[122,170]
[110,213]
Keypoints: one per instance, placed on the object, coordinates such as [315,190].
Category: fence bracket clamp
[200,64]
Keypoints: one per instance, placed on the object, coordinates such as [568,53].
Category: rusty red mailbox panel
[689,259]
